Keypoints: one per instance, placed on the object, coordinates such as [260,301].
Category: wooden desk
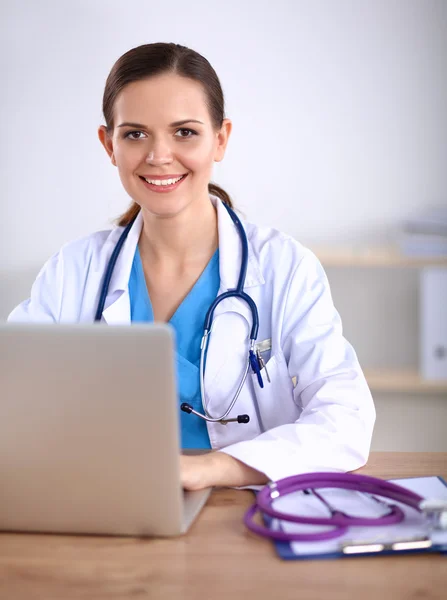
[217,559]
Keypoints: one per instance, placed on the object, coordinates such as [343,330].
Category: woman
[164,113]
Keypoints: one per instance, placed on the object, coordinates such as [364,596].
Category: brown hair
[148,60]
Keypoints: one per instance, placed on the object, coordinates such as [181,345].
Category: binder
[433,323]
[412,529]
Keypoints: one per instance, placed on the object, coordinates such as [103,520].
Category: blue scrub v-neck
[187,321]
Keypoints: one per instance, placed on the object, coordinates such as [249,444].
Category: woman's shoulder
[288,266]
[275,246]
[56,294]
[89,247]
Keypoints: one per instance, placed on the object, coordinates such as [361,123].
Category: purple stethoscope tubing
[339,521]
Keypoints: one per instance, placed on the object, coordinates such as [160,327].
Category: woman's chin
[164,207]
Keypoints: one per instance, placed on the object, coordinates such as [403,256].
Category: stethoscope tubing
[109,270]
[207,416]
[339,521]
[238,293]
[284,536]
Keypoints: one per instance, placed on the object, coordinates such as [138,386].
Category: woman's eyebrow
[175,124]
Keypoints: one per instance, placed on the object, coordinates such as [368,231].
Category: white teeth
[162,181]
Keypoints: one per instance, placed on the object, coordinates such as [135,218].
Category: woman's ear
[222,140]
[106,141]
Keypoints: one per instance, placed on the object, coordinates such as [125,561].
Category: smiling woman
[153,144]
[304,400]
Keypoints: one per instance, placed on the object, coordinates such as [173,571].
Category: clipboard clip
[400,545]
[435,511]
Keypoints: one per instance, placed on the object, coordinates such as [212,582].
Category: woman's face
[154,135]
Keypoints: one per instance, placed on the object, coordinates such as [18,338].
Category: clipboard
[401,538]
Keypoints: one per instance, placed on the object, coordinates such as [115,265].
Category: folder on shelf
[433,323]
[410,536]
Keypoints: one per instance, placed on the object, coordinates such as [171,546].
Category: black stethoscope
[254,359]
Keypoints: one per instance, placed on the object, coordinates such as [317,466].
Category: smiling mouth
[163,182]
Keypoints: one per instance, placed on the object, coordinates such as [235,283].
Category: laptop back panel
[89,430]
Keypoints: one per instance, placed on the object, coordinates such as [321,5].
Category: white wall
[340,131]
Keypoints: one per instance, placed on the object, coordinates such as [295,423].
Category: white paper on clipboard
[355,503]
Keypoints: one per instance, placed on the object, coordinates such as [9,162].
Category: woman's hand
[217,469]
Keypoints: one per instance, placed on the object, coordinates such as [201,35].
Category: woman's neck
[187,237]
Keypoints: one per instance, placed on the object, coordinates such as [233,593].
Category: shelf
[339,256]
[385,380]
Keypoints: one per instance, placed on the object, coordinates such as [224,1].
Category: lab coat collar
[117,306]
[230,252]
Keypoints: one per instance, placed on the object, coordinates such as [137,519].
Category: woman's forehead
[162,98]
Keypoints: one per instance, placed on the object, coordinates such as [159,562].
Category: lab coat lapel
[229,340]
[118,312]
[117,306]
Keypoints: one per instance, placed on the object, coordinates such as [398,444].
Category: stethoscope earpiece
[187,408]
[243,419]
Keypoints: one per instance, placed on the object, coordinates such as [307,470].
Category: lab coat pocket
[275,403]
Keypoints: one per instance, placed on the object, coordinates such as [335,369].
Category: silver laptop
[89,431]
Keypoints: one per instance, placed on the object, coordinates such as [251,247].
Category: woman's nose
[158,159]
[159,154]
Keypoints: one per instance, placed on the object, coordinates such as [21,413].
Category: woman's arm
[333,431]
[216,469]
[43,304]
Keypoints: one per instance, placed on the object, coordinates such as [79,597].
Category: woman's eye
[132,135]
[188,131]
[138,135]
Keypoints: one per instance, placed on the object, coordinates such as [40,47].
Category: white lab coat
[317,414]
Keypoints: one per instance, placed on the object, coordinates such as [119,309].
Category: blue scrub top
[188,322]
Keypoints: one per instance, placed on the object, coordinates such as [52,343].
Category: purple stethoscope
[434,510]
